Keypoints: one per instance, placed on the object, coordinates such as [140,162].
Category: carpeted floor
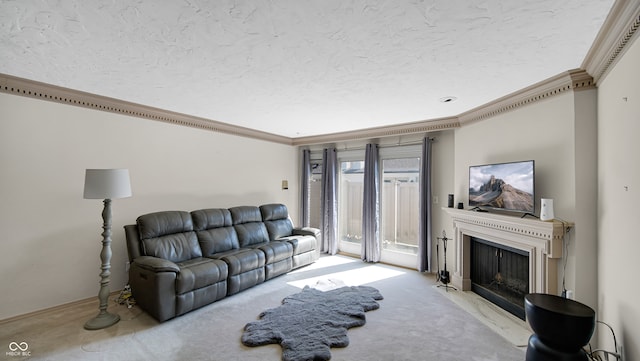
[414,322]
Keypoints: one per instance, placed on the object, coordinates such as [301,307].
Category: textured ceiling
[298,67]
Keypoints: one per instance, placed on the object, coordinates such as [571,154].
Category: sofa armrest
[306,231]
[133,241]
[153,285]
[156,264]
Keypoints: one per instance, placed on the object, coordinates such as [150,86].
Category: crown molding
[619,29]
[571,80]
[33,89]
[576,79]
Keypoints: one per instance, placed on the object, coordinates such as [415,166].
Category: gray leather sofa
[181,261]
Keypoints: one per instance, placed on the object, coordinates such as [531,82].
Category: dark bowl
[560,323]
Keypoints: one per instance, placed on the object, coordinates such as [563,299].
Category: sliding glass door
[399,203]
[350,206]
[399,210]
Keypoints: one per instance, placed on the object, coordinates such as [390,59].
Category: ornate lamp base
[102,320]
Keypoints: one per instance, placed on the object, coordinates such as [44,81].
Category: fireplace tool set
[443,276]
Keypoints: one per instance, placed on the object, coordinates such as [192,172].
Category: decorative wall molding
[571,80]
[568,81]
[33,89]
[619,29]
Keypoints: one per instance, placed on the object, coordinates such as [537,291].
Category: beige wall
[546,132]
[50,236]
[618,200]
[441,175]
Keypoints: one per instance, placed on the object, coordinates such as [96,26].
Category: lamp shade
[107,184]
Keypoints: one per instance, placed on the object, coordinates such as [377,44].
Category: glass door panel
[315,194]
[350,206]
[400,210]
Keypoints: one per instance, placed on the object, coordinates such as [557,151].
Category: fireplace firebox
[500,274]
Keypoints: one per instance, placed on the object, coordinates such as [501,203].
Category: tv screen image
[505,186]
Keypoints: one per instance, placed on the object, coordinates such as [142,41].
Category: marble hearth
[542,240]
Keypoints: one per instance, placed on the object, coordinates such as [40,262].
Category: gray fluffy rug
[309,323]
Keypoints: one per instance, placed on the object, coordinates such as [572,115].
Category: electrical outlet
[435,199]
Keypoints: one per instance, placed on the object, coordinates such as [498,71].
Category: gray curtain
[370,250]
[425,229]
[329,202]
[305,176]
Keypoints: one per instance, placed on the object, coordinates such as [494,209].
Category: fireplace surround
[541,240]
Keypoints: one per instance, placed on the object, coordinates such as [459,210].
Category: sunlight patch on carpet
[355,277]
[326,262]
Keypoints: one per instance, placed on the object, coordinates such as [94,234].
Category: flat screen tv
[504,186]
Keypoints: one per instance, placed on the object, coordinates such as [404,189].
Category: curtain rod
[399,144]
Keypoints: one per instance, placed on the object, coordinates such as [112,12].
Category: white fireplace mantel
[543,240]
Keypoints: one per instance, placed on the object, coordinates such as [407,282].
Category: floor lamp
[105,184]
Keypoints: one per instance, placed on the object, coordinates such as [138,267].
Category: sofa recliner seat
[170,275]
[252,233]
[219,240]
[181,261]
[280,228]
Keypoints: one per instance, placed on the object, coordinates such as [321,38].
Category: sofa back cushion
[276,219]
[168,235]
[214,228]
[247,221]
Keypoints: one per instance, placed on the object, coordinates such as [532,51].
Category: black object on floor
[561,326]
[443,276]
